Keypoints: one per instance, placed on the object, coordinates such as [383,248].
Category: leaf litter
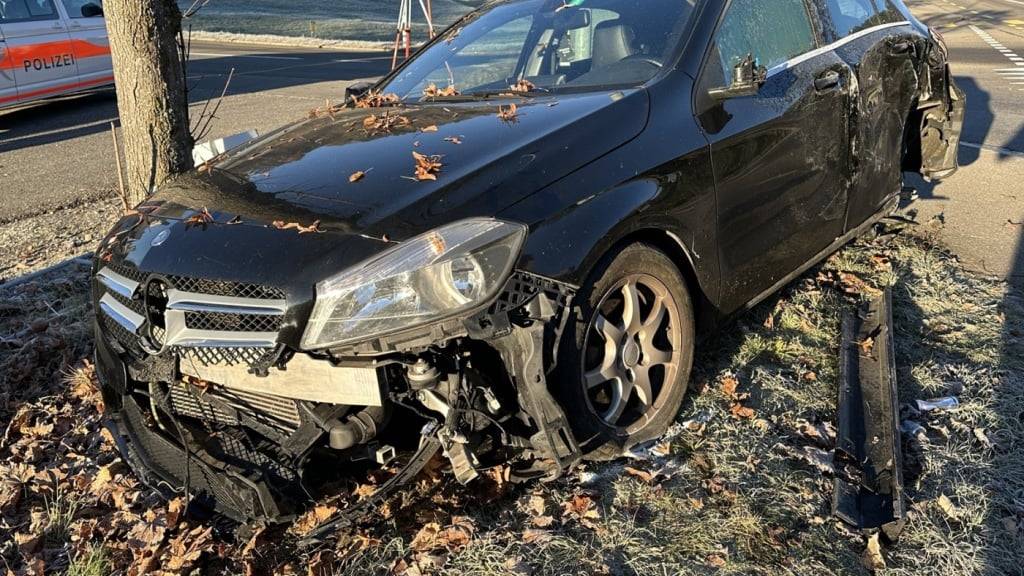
[724,504]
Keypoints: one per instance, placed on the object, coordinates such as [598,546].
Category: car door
[8,87]
[879,44]
[38,48]
[780,153]
[89,42]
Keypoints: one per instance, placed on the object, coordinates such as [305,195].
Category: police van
[52,48]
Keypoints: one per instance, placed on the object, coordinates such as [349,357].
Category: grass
[733,496]
[93,562]
[741,502]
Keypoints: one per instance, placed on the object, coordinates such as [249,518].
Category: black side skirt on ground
[869,460]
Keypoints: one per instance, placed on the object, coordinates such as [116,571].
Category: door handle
[826,81]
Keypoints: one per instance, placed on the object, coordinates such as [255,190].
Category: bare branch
[207,119]
[196,6]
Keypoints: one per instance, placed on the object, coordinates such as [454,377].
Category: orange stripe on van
[58,89]
[17,55]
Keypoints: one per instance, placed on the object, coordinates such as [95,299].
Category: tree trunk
[151,94]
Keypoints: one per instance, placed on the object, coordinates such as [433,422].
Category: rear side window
[773,32]
[74,7]
[27,10]
[851,16]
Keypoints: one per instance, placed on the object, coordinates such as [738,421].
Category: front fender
[568,245]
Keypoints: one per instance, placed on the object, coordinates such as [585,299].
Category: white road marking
[999,149]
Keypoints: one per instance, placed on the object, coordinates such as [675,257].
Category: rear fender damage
[938,120]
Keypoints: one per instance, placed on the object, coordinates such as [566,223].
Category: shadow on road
[69,118]
[978,119]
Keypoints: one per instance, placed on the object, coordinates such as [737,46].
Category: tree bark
[152,97]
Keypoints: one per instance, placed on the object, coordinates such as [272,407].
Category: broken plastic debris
[914,429]
[947,403]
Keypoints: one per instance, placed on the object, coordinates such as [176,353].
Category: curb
[82,260]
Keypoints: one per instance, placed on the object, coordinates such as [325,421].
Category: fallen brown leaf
[427,167]
[312,519]
[872,557]
[202,218]
[314,227]
[523,86]
[509,114]
[740,411]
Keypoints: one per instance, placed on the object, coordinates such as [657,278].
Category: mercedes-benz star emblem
[160,238]
[154,297]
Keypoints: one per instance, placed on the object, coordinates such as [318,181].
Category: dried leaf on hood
[509,113]
[432,91]
[427,167]
[385,122]
[376,100]
[523,86]
[314,227]
[201,218]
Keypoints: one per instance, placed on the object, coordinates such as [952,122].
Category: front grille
[122,336]
[223,288]
[205,321]
[128,271]
[232,322]
[209,356]
[281,413]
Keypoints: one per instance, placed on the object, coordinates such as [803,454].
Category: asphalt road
[60,154]
[982,205]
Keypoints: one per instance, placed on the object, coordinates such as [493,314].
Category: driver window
[773,32]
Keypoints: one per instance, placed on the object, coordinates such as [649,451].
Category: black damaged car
[505,250]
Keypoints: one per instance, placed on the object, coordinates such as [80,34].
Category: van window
[74,7]
[27,10]
[851,16]
[771,33]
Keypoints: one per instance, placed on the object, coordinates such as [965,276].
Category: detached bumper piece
[869,461]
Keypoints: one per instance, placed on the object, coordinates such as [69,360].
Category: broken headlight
[446,271]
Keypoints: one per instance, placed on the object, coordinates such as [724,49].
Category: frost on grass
[730,490]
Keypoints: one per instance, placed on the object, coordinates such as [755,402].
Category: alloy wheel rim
[631,352]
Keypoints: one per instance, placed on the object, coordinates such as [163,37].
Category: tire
[610,415]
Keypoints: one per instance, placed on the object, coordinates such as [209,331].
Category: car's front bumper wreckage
[258,432]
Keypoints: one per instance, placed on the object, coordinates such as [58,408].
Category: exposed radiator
[275,411]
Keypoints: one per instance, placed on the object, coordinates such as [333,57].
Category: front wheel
[625,365]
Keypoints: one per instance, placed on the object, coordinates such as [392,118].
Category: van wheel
[625,364]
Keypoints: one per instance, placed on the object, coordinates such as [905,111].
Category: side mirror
[357,90]
[747,79]
[92,10]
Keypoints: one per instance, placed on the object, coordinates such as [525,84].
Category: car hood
[303,174]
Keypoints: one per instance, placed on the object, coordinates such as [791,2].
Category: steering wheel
[642,58]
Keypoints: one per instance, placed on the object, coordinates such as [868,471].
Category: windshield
[546,46]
